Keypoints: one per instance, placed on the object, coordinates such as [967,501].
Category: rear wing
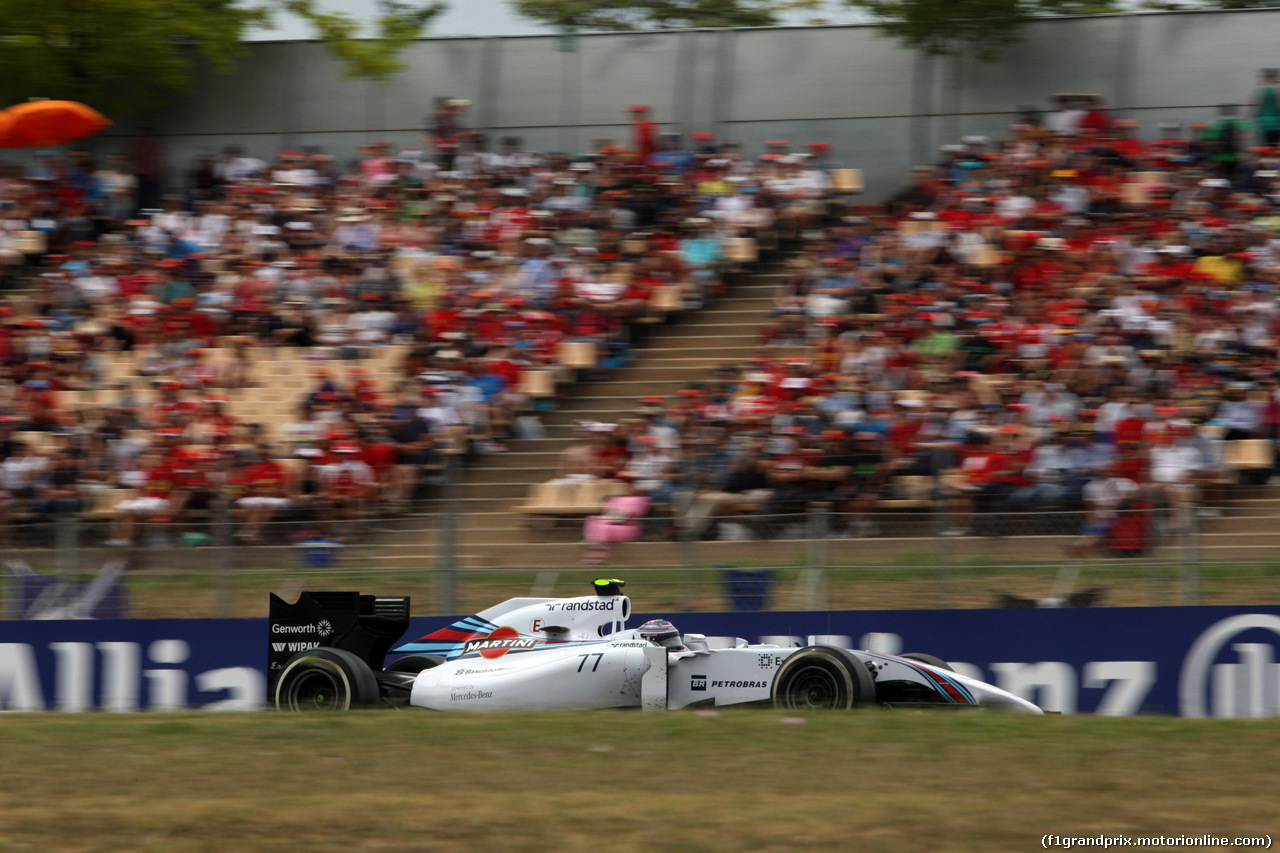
[365,625]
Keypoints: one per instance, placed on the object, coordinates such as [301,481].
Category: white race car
[327,652]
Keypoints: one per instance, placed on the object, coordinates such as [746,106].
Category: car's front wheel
[325,680]
[822,678]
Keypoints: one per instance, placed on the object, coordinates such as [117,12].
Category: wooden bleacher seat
[985,255]
[567,499]
[30,242]
[667,297]
[38,440]
[75,400]
[537,383]
[579,355]
[549,498]
[1250,454]
[912,395]
[911,492]
[390,354]
[987,388]
[102,502]
[742,250]
[847,180]
[1135,193]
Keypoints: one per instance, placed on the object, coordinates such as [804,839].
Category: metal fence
[812,559]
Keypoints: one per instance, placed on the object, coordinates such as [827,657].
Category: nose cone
[989,696]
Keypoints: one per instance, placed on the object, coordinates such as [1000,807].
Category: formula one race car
[327,652]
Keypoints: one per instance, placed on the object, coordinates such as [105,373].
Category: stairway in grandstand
[492,532]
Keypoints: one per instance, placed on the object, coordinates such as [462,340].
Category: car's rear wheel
[932,660]
[325,680]
[822,678]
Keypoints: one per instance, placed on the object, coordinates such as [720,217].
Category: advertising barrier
[1191,661]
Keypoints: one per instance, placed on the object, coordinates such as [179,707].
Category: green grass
[626,781]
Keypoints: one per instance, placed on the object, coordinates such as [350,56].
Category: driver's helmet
[662,633]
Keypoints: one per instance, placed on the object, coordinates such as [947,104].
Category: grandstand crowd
[1079,314]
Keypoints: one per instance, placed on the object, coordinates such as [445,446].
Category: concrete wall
[883,107]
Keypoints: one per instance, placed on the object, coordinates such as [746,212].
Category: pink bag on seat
[618,523]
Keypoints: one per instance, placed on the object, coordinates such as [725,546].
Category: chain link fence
[812,558]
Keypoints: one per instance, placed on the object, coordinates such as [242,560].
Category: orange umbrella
[40,123]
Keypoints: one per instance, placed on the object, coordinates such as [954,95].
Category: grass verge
[738,780]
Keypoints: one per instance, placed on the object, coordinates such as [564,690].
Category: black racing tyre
[325,680]
[822,678]
[932,660]
[414,664]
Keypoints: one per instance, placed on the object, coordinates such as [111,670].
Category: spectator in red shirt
[346,488]
[644,132]
[267,491]
[157,482]
[381,455]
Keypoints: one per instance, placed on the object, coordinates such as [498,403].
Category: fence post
[67,538]
[222,530]
[447,538]
[943,524]
[1156,556]
[688,550]
[1189,559]
[817,557]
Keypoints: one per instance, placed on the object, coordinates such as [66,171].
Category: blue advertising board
[1192,661]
